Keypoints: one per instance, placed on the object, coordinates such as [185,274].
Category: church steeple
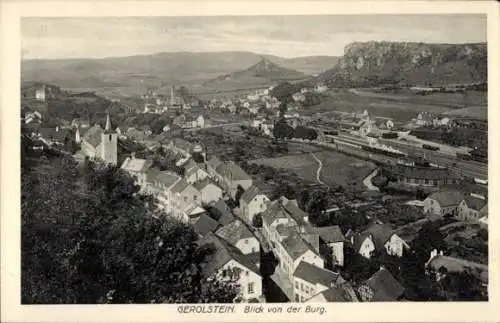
[108,124]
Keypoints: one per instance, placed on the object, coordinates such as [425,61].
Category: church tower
[109,143]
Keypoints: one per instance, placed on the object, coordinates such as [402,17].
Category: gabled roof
[285,230]
[232,171]
[190,164]
[359,239]
[193,209]
[475,203]
[316,275]
[422,172]
[205,224]
[292,209]
[341,293]
[222,255]
[273,212]
[151,174]
[224,212]
[384,286]
[180,186]
[214,162]
[234,232]
[331,234]
[250,193]
[295,246]
[200,185]
[380,233]
[447,198]
[136,165]
[166,178]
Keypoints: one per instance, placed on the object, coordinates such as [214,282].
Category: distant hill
[124,76]
[263,73]
[376,63]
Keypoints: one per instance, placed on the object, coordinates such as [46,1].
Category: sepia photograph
[254,159]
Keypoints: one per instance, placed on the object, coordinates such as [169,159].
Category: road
[368,181]
[318,171]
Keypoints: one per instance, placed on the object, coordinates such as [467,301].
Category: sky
[285,36]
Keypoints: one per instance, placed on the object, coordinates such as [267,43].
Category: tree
[100,240]
[428,238]
[239,192]
[282,130]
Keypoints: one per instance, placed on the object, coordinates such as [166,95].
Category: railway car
[429,147]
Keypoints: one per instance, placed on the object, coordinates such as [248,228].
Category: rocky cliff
[376,63]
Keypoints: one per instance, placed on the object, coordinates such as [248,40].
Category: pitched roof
[166,178]
[340,293]
[93,135]
[475,203]
[136,165]
[331,234]
[193,209]
[190,164]
[231,170]
[200,185]
[205,224]
[359,239]
[180,186]
[316,275]
[224,212]
[250,193]
[273,212]
[458,265]
[380,233]
[385,287]
[292,209]
[234,232]
[285,230]
[56,134]
[151,174]
[447,198]
[295,246]
[214,162]
[223,253]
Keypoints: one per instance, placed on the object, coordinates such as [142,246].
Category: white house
[342,292]
[298,97]
[309,280]
[320,88]
[252,202]
[182,195]
[209,191]
[230,176]
[229,264]
[470,208]
[239,235]
[386,240]
[194,173]
[137,168]
[443,202]
[363,244]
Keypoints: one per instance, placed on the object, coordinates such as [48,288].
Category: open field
[338,169]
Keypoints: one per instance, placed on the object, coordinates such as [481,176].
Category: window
[246,241]
[195,198]
[261,206]
[224,273]
[301,298]
[302,286]
[185,198]
[247,273]
[296,284]
[250,288]
[253,249]
[297,299]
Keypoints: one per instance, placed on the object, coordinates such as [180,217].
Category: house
[343,292]
[423,177]
[159,184]
[443,202]
[212,165]
[227,263]
[222,212]
[381,287]
[101,144]
[40,93]
[439,264]
[194,172]
[386,240]
[180,146]
[191,212]
[239,235]
[35,117]
[55,136]
[309,280]
[203,225]
[470,208]
[209,191]
[137,168]
[252,202]
[332,239]
[363,244]
[320,88]
[298,97]
[183,196]
[293,250]
[230,176]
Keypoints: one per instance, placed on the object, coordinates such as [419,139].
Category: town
[301,203]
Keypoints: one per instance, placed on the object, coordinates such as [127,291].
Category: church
[99,144]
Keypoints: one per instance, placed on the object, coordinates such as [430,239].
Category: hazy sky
[287,36]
